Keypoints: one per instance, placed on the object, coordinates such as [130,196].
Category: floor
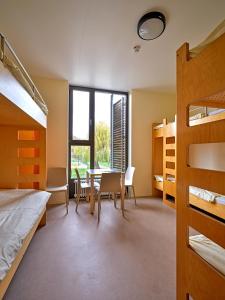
[72,257]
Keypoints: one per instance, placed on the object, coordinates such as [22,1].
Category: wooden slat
[212,118]
[213,180]
[204,282]
[206,133]
[170,146]
[213,208]
[169,203]
[170,171]
[208,226]
[170,158]
[169,187]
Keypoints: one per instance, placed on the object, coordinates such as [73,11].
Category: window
[98,130]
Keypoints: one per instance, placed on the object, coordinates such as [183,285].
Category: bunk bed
[23,122]
[200,255]
[157,160]
[164,161]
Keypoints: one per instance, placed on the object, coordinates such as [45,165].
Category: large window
[98,132]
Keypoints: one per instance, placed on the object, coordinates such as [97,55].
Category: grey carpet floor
[72,257]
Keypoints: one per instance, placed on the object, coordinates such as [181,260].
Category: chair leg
[87,196]
[78,200]
[122,203]
[114,199]
[99,205]
[134,195]
[67,201]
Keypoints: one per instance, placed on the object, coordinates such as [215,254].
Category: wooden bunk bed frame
[169,163]
[200,81]
[164,161]
[157,158]
[23,122]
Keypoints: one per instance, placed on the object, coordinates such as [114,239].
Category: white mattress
[19,211]
[207,195]
[210,251]
[159,178]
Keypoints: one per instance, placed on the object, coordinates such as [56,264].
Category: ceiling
[90,42]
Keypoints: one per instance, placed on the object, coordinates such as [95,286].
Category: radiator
[82,194]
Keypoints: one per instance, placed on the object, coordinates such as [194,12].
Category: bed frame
[200,81]
[157,158]
[23,122]
[164,161]
[169,163]
[6,281]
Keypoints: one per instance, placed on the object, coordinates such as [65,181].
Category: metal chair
[111,183]
[129,180]
[83,185]
[57,182]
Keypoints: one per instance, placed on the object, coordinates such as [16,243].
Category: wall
[147,108]
[55,93]
[207,156]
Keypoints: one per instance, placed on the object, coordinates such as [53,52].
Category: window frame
[91,141]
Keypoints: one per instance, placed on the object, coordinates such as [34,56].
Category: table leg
[92,199]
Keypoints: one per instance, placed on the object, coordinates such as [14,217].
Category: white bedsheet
[210,251]
[19,211]
[207,195]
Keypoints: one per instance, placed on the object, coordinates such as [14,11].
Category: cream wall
[147,108]
[55,93]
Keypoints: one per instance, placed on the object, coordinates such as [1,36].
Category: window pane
[80,159]
[81,115]
[102,129]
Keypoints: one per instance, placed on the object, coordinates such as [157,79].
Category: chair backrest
[57,177]
[129,174]
[110,182]
[78,178]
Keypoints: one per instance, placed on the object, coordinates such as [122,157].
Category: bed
[23,123]
[200,259]
[210,251]
[21,211]
[164,161]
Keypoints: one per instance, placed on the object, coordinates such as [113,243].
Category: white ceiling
[90,42]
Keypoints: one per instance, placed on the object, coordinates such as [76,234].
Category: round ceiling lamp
[151,25]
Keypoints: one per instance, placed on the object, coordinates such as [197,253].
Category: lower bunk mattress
[207,195]
[209,251]
[19,211]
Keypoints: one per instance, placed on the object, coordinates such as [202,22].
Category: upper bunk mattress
[210,251]
[19,211]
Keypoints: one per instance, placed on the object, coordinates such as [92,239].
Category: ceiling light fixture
[151,25]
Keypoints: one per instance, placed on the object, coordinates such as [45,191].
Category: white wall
[55,94]
[147,108]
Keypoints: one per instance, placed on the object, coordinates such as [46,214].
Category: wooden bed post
[181,189]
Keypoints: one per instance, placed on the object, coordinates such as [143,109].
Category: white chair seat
[56,188]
